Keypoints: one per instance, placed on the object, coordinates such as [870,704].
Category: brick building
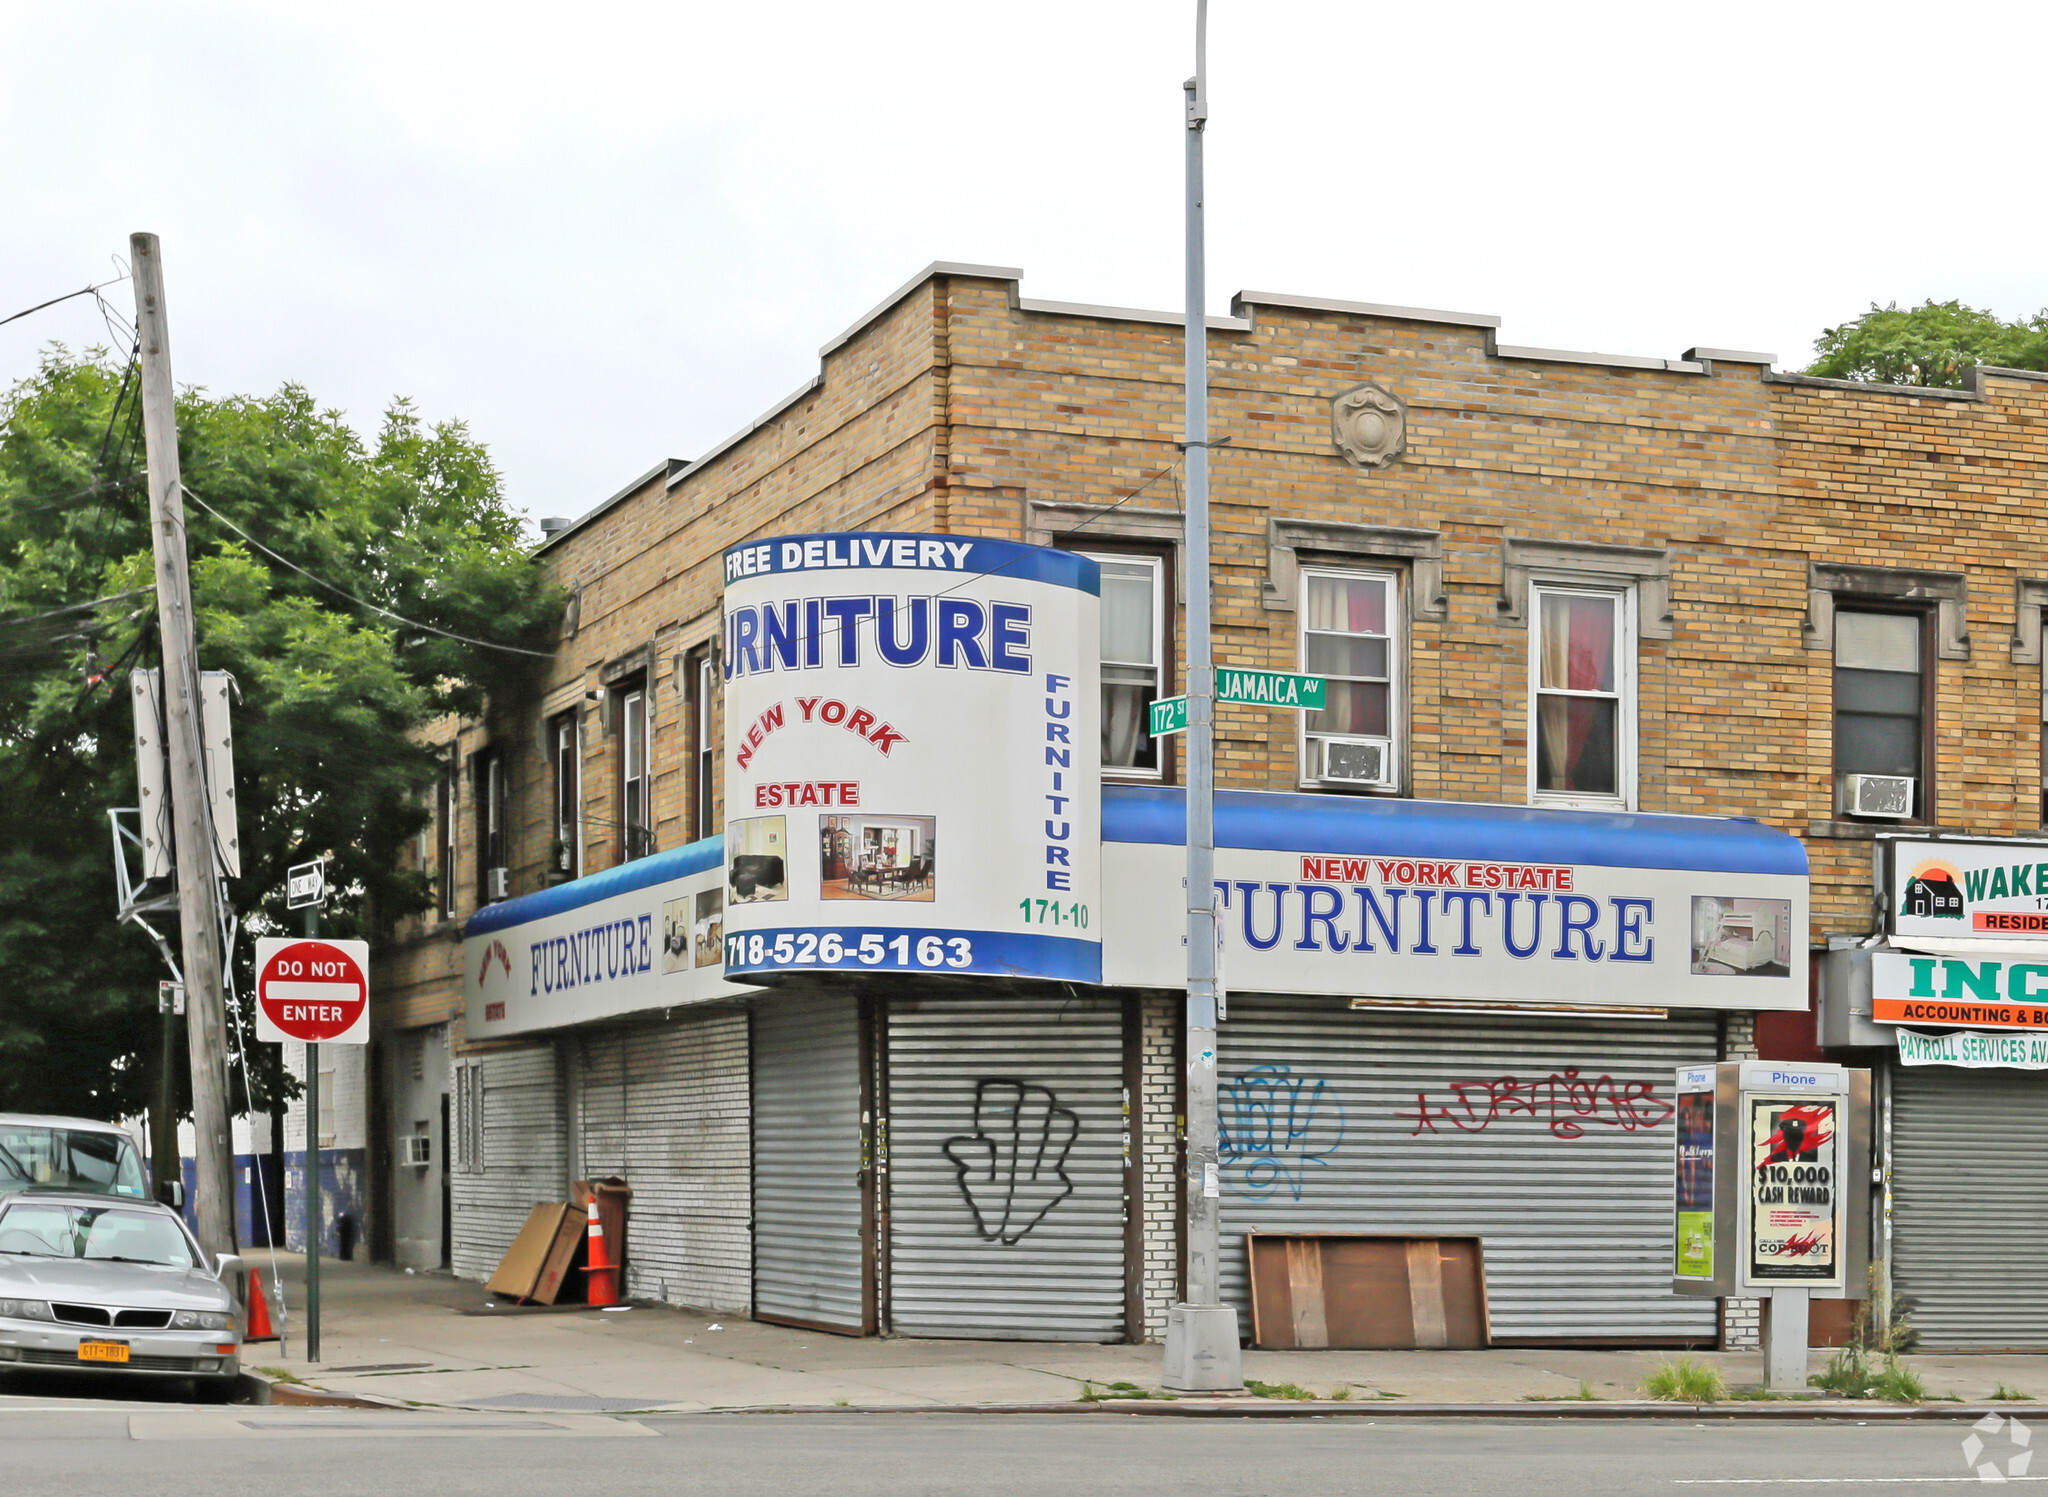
[1612,588]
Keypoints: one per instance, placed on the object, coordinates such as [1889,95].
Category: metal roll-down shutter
[1006,1168]
[807,1160]
[517,1158]
[1550,1139]
[1969,1163]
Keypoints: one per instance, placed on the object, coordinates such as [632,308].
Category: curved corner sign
[913,757]
[317,992]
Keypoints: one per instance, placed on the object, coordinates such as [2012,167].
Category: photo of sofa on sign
[754,866]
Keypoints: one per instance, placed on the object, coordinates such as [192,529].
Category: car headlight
[212,1322]
[26,1309]
[200,1320]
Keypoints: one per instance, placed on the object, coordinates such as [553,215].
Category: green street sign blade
[1270,688]
[1169,715]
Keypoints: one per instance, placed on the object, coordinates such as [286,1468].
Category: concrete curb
[260,1388]
[1793,1411]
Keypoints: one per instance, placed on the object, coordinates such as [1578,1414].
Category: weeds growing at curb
[278,1374]
[1341,1395]
[2010,1395]
[1584,1395]
[1294,1391]
[1111,1391]
[842,1403]
[1684,1380]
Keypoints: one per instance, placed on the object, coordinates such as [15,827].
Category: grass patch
[2010,1395]
[842,1403]
[278,1374]
[1685,1380]
[1110,1391]
[1584,1395]
[1293,1391]
[1859,1372]
[1899,1384]
[1341,1395]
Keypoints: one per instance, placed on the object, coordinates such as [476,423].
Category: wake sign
[317,992]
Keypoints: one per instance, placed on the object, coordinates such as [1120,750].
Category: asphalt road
[82,1448]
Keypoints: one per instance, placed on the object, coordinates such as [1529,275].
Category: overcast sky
[609,234]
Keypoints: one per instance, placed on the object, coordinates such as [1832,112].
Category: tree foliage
[331,692]
[1931,344]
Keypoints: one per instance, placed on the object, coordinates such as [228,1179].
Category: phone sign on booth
[316,992]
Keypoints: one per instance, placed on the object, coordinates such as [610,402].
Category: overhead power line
[67,296]
[318,581]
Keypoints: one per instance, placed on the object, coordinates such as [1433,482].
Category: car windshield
[69,1159]
[51,1229]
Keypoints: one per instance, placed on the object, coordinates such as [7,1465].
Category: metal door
[664,1107]
[808,1258]
[1549,1139]
[1969,1166]
[1006,1168]
[514,1155]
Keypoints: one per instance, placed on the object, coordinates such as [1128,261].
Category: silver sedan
[89,1284]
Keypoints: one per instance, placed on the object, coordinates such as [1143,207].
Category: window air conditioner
[1887,795]
[498,883]
[418,1150]
[1357,761]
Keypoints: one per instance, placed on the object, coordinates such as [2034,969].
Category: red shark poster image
[1794,1169]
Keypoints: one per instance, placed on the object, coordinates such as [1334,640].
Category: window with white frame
[1133,651]
[636,778]
[1347,638]
[1582,696]
[565,749]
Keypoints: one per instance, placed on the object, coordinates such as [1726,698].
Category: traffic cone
[603,1288]
[259,1311]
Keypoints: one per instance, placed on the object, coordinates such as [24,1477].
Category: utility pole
[1201,1334]
[314,1189]
[191,818]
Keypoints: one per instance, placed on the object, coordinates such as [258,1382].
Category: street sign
[1252,688]
[1269,688]
[1169,715]
[315,991]
[306,884]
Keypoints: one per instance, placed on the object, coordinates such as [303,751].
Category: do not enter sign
[315,991]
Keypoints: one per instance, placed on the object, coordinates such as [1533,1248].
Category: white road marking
[305,1425]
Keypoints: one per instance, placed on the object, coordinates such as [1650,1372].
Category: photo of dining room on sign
[756,859]
[878,857]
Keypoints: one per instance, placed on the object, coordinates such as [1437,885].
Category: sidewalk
[429,1339]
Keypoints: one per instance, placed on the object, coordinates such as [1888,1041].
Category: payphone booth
[1771,1184]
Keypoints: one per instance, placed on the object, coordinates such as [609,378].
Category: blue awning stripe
[1360,827]
[659,869]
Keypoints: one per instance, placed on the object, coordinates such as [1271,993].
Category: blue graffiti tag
[1267,1117]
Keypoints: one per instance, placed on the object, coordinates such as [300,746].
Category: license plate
[102,1351]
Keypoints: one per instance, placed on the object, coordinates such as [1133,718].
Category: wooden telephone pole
[191,815]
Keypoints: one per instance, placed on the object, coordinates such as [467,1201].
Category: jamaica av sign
[315,992]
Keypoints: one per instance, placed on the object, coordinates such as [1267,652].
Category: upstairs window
[1582,689]
[1880,706]
[636,777]
[1133,649]
[565,754]
[493,875]
[706,756]
[447,801]
[1347,639]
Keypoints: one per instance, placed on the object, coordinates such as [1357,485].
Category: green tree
[1931,344]
[331,691]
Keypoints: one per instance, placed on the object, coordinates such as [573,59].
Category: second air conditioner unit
[1355,761]
[1889,796]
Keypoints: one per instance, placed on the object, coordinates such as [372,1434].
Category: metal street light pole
[1201,1333]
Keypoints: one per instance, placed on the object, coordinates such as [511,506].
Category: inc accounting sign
[912,757]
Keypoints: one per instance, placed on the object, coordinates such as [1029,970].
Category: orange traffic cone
[259,1311]
[604,1274]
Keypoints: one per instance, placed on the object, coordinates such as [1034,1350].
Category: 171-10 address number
[832,949]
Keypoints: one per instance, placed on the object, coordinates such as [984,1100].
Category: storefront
[1950,1006]
[1463,1021]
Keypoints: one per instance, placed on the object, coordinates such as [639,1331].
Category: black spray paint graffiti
[1273,1126]
[1012,1168]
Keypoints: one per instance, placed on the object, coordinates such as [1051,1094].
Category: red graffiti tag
[1568,1101]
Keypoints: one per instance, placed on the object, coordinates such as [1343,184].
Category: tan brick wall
[955,409]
